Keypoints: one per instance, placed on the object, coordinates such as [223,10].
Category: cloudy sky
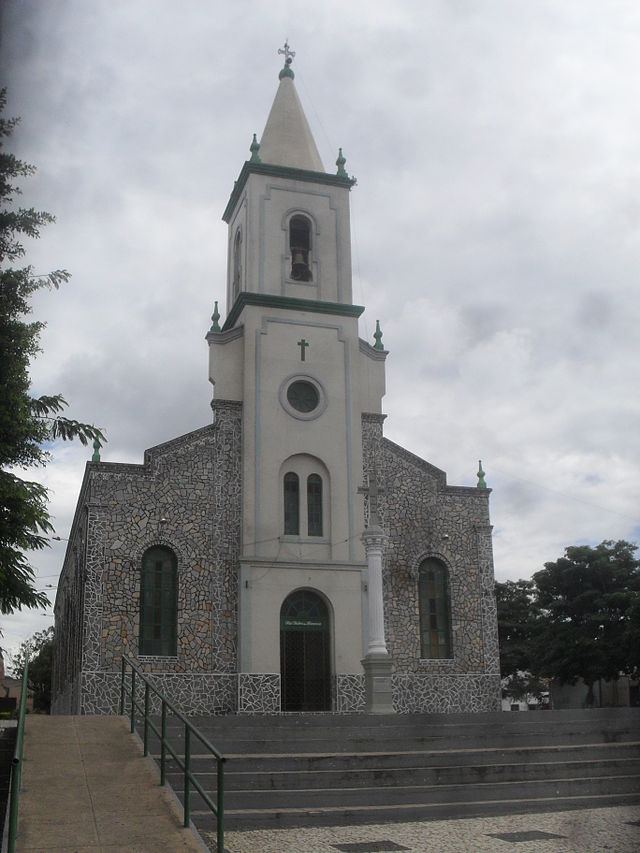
[495,226]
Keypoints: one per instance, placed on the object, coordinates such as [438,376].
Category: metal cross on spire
[288,54]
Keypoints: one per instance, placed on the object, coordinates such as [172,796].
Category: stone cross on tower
[373,491]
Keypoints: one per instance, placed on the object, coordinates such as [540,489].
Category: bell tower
[289,351]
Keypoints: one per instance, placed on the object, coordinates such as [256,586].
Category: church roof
[287,139]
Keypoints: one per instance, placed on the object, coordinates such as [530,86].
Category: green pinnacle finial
[215,326]
[254,148]
[378,336]
[482,483]
[340,164]
[96,450]
[288,59]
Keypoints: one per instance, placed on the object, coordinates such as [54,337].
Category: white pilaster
[374,540]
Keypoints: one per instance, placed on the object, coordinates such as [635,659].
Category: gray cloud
[495,228]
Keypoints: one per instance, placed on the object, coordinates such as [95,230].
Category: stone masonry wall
[423,518]
[186,497]
[68,610]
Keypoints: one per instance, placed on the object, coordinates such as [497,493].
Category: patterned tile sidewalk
[586,831]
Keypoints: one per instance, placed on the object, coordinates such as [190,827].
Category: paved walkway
[582,831]
[87,787]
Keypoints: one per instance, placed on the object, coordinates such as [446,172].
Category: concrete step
[473,774]
[303,770]
[270,735]
[442,793]
[349,816]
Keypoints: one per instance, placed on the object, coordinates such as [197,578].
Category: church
[286,557]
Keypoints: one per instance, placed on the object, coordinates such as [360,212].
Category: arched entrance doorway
[305,667]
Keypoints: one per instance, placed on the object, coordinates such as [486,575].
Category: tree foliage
[27,423]
[517,622]
[579,617]
[38,651]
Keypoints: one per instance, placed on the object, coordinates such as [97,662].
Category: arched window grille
[158,602]
[300,247]
[435,609]
[314,505]
[291,504]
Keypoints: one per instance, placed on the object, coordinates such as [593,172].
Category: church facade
[236,564]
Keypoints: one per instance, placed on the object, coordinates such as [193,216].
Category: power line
[565,495]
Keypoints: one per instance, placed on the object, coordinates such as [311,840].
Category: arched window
[291,504]
[300,247]
[435,608]
[314,505]
[237,263]
[158,602]
[306,498]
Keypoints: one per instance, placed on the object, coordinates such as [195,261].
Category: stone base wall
[259,693]
[192,693]
[445,694]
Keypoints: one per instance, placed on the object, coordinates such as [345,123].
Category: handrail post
[133,700]
[187,773]
[220,807]
[122,683]
[146,718]
[163,744]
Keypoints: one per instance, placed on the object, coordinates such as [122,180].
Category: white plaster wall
[271,434]
[263,210]
[226,364]
[263,588]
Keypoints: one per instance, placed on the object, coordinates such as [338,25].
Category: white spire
[287,138]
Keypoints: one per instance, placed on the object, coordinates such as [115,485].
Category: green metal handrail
[189,729]
[16,765]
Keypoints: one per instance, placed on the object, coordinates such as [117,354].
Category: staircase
[320,769]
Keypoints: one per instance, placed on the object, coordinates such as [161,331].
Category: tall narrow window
[435,607]
[300,246]
[291,504]
[237,263]
[158,602]
[314,505]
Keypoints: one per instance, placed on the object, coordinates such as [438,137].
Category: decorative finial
[96,450]
[378,337]
[340,164]
[482,483]
[254,148]
[215,327]
[288,54]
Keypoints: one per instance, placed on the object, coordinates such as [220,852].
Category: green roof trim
[281,172]
[377,335]
[291,303]
[254,148]
[215,325]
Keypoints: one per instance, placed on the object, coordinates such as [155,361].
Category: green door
[305,667]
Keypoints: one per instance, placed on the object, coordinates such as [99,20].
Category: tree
[27,423]
[589,604]
[517,622]
[38,651]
